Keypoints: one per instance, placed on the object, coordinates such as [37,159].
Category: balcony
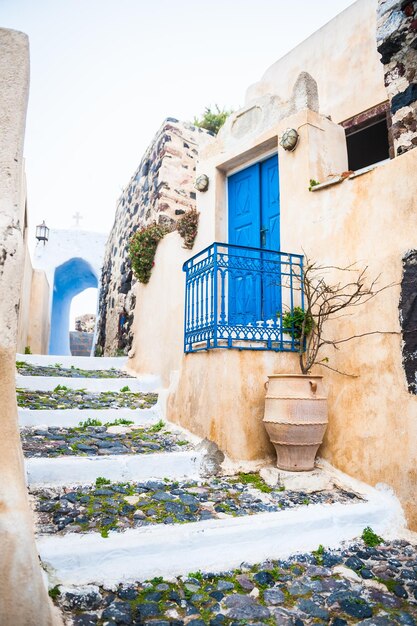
[235,298]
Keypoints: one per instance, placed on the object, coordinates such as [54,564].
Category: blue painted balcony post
[215,295]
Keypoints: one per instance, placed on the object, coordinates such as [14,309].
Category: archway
[70,279]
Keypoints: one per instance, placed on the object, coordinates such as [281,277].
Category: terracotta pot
[295,418]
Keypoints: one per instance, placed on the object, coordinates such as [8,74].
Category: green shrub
[187,226]
[28,350]
[212,119]
[370,538]
[292,322]
[142,250]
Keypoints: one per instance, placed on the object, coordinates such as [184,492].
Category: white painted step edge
[83,362]
[213,545]
[72,417]
[72,470]
[48,383]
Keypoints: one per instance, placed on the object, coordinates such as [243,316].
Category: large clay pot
[295,418]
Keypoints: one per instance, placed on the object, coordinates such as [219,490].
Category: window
[368,138]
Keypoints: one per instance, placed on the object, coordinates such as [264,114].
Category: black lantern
[42,232]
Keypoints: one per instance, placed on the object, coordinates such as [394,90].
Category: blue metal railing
[235,298]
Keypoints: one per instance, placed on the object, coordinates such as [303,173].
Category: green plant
[62,388]
[125,389]
[313,183]
[100,481]
[213,119]
[20,364]
[120,421]
[187,226]
[318,554]
[155,428]
[255,480]
[54,592]
[297,322]
[142,250]
[28,350]
[91,421]
[370,538]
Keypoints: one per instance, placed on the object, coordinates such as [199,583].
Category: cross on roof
[77,217]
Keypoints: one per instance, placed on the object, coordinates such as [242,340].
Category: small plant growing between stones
[187,226]
[142,250]
[255,481]
[54,592]
[101,481]
[318,554]
[155,428]
[62,388]
[120,421]
[91,421]
[313,183]
[370,538]
[28,350]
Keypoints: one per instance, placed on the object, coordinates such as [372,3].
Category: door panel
[253,198]
[270,230]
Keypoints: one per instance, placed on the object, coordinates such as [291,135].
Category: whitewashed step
[72,417]
[83,362]
[144,384]
[212,545]
[61,471]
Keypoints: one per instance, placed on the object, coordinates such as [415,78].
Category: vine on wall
[142,250]
[187,227]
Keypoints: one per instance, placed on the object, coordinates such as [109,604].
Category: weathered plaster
[23,600]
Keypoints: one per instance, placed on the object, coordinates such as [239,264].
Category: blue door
[253,197]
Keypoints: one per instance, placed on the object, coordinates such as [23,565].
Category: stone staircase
[121,497]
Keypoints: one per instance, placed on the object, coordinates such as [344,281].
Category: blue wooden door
[270,238]
[253,197]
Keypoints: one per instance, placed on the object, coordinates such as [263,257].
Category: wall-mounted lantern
[289,139]
[202,182]
[42,232]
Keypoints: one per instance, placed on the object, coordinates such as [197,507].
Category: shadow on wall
[70,279]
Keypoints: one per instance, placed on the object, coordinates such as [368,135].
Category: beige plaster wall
[39,313]
[24,304]
[23,599]
[343,59]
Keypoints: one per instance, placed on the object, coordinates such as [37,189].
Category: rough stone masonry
[160,190]
[397,45]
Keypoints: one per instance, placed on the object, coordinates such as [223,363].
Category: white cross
[77,217]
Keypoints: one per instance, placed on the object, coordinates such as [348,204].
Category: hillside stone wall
[397,44]
[160,190]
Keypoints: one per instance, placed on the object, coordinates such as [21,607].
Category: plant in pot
[296,404]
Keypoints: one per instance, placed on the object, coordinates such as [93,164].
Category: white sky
[106,73]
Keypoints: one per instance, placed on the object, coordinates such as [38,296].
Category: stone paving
[107,506]
[91,438]
[356,584]
[63,398]
[26,369]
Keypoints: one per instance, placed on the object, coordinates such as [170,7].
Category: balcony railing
[235,298]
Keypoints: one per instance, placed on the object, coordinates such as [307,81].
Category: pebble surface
[117,506]
[100,440]
[355,584]
[63,398]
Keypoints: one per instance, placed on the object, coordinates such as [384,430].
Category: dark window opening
[368,144]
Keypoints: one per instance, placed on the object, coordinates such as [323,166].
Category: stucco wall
[342,57]
[39,314]
[23,600]
[24,305]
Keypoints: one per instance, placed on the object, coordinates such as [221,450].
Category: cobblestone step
[212,545]
[351,585]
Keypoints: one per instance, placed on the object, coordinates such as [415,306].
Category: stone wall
[397,44]
[160,190]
